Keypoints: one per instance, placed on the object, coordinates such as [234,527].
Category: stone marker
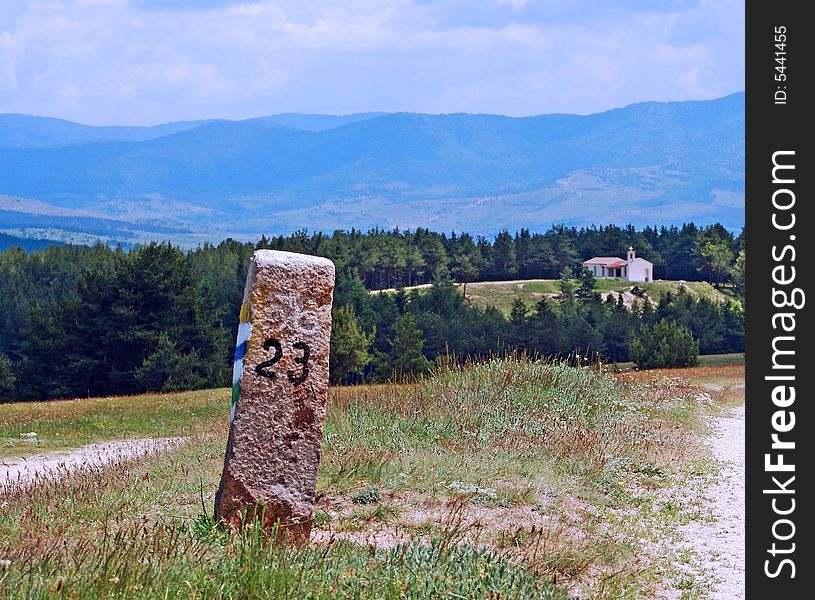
[279,391]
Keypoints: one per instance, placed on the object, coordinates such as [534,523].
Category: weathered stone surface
[280,387]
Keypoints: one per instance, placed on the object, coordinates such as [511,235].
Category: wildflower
[4,565]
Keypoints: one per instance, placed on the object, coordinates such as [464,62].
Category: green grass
[722,360]
[734,359]
[72,423]
[506,479]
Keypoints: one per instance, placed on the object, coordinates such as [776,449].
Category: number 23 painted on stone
[264,368]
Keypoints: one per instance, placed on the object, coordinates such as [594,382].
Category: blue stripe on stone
[240,351]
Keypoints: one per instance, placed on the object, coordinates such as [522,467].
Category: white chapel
[633,269]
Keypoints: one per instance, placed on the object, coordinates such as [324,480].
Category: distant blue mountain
[311,122]
[650,163]
[23,131]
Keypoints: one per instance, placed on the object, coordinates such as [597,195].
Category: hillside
[650,163]
[502,294]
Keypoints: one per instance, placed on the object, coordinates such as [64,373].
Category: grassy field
[736,359]
[502,480]
[502,294]
[72,423]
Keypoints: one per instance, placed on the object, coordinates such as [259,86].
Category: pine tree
[568,290]
[543,330]
[464,270]
[664,345]
[168,370]
[50,367]
[737,271]
[504,256]
[519,325]
[586,282]
[7,378]
[406,356]
[717,258]
[155,294]
[349,345]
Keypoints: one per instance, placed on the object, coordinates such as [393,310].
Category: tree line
[392,259]
[81,321]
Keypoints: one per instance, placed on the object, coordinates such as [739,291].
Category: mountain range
[193,181]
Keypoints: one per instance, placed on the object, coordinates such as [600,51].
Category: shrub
[370,495]
[664,345]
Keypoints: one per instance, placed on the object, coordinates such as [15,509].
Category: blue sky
[152,61]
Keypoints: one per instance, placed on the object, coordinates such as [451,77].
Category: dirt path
[720,542]
[24,469]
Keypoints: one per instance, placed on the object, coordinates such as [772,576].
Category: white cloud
[110,61]
[516,4]
[8,72]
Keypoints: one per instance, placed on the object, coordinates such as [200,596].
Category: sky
[143,62]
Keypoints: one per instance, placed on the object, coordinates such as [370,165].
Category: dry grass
[725,384]
[506,479]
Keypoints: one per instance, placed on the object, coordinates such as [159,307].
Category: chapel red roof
[606,261]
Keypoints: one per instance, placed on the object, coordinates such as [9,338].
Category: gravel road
[24,469]
[720,542]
